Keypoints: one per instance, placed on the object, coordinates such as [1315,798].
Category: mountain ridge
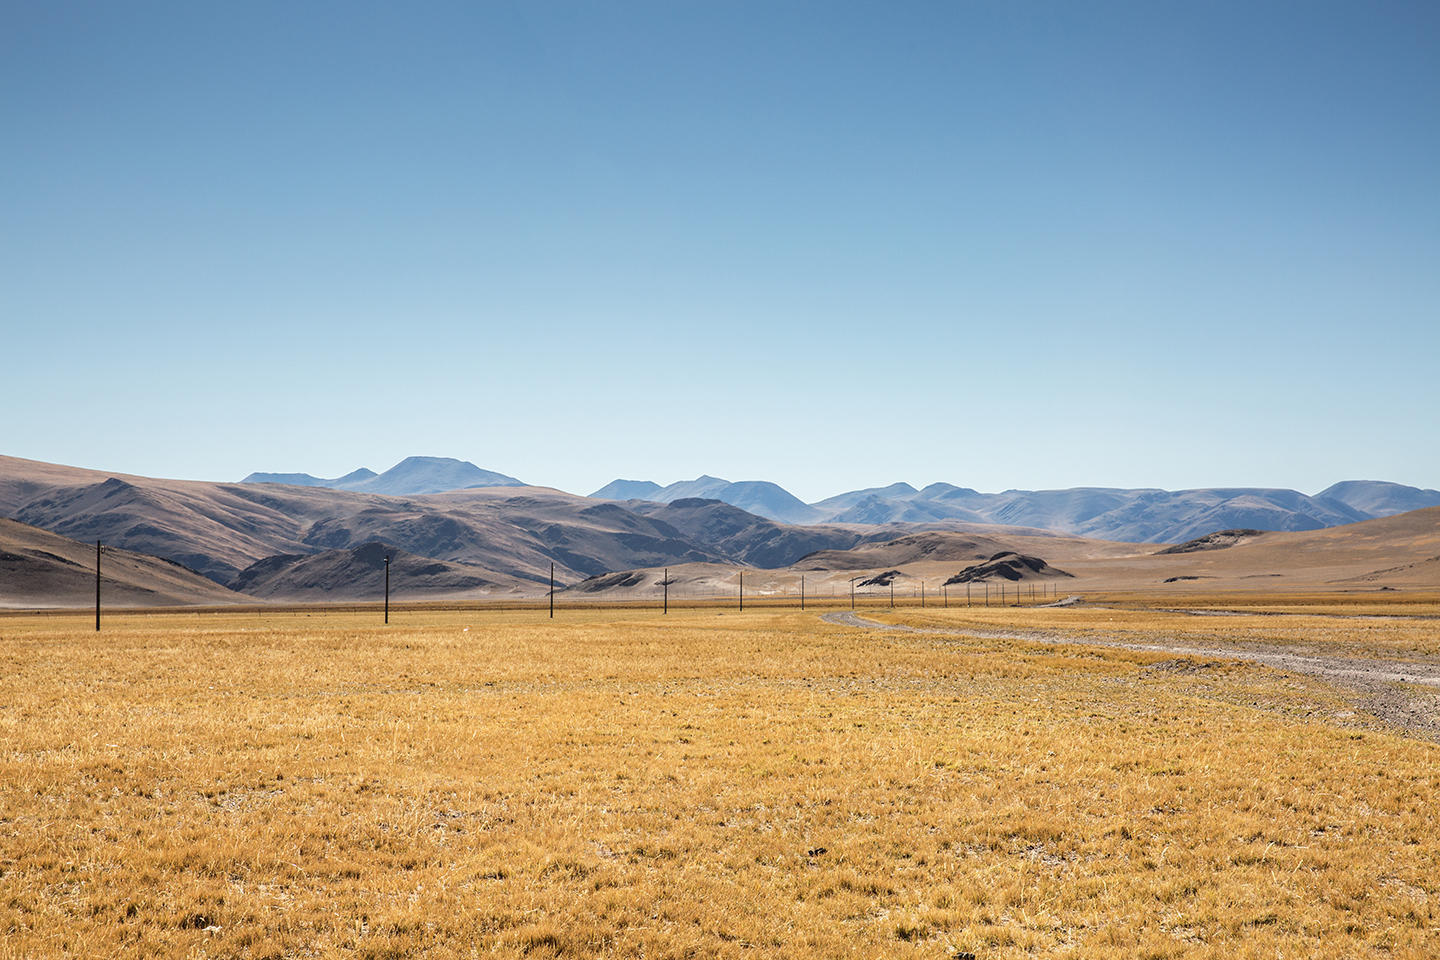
[1142,514]
[411,476]
[301,542]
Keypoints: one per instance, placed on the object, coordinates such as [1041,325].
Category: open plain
[1006,782]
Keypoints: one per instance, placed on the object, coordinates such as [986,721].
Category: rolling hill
[508,536]
[43,569]
[221,529]
[358,573]
[1397,552]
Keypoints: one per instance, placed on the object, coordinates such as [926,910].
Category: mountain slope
[40,568]
[1378,498]
[358,573]
[760,497]
[416,475]
[913,548]
[770,500]
[221,529]
[627,490]
[703,486]
[743,537]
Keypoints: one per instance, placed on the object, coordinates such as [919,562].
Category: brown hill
[43,569]
[358,573]
[1008,565]
[1401,551]
[939,547]
[1395,551]
[220,529]
[912,548]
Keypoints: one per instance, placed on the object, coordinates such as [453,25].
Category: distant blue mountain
[1379,498]
[628,490]
[1106,513]
[760,497]
[1133,515]
[347,482]
[410,477]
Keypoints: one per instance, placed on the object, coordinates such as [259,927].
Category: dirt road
[1378,681]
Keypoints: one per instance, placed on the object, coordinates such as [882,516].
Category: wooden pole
[802,591]
[852,594]
[892,593]
[666,608]
[552,589]
[97,586]
[387,588]
[742,589]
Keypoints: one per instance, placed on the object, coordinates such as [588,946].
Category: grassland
[617,783]
[1364,624]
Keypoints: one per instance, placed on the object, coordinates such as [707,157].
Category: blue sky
[827,244]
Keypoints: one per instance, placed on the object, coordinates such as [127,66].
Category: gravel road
[1415,711]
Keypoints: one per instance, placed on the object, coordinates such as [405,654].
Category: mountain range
[505,538]
[1141,515]
[225,542]
[1398,552]
[1132,515]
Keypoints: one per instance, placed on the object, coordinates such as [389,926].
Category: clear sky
[1006,245]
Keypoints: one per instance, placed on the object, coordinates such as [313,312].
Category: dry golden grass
[1346,625]
[616,783]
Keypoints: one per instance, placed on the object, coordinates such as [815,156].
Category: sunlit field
[709,783]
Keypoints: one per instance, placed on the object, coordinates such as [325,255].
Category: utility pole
[892,593]
[387,588]
[802,591]
[97,586]
[922,594]
[946,588]
[852,594]
[552,589]
[666,607]
[742,589]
